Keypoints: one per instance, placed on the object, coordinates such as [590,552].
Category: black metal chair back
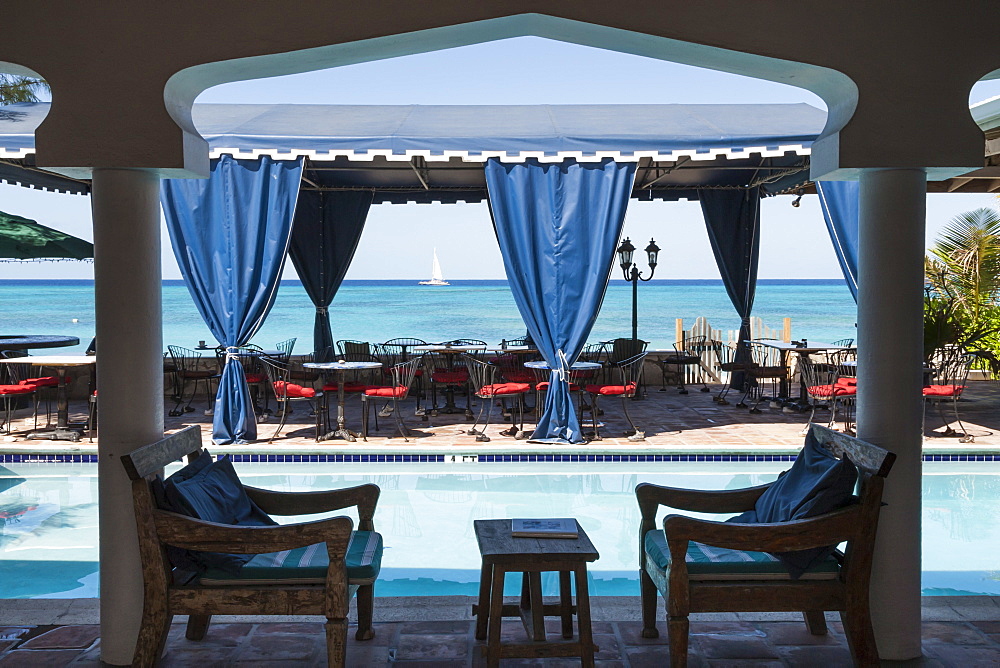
[287,389]
[285,347]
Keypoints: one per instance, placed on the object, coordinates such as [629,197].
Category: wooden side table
[503,553]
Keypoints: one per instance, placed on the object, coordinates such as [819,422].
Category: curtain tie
[232,353]
[564,368]
[321,310]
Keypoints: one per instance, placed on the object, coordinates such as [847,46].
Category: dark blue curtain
[230,235]
[733,221]
[325,235]
[558,225]
[839,200]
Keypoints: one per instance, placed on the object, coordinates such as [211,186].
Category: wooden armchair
[311,588]
[753,581]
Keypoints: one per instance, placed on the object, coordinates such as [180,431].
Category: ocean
[821,310]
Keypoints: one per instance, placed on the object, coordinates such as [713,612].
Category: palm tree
[965,262]
[15,88]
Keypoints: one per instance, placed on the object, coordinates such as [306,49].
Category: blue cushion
[211,491]
[307,565]
[708,562]
[817,483]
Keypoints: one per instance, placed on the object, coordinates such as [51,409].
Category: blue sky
[398,239]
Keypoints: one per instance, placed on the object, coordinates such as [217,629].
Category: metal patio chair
[286,391]
[400,350]
[766,368]
[687,353]
[825,387]
[187,362]
[726,362]
[402,375]
[485,384]
[950,376]
[628,373]
[285,348]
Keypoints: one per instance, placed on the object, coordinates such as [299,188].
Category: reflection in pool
[48,541]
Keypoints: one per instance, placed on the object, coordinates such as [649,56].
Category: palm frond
[15,89]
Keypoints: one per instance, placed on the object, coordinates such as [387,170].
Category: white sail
[437,277]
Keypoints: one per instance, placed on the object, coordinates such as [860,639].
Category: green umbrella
[24,239]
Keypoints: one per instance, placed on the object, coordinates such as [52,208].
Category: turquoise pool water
[48,541]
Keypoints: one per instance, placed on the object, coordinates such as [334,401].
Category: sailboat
[437,278]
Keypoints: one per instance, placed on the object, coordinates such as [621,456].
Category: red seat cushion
[544,387]
[349,386]
[847,382]
[44,381]
[17,389]
[943,390]
[256,378]
[292,391]
[398,392]
[835,390]
[460,376]
[612,390]
[498,389]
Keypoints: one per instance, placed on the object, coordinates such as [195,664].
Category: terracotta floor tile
[43,658]
[65,637]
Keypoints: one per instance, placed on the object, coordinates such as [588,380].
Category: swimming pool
[48,542]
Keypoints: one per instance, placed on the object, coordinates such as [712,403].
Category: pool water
[48,541]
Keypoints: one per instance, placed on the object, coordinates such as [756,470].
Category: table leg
[483,609]
[583,618]
[783,383]
[496,618]
[534,580]
[341,431]
[565,604]
[62,432]
[62,400]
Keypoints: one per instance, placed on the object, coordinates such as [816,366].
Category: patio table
[341,368]
[60,363]
[786,347]
[449,353]
[29,341]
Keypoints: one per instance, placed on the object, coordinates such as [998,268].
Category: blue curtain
[733,221]
[558,225]
[839,200]
[230,235]
[325,235]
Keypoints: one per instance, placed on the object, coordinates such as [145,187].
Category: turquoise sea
[821,310]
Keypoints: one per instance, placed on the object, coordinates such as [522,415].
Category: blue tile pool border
[483,458]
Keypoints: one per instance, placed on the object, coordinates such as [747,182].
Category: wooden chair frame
[168,592]
[855,524]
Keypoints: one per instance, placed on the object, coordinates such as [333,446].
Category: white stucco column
[129,382]
[890,410]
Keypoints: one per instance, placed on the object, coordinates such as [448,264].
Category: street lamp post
[631,273]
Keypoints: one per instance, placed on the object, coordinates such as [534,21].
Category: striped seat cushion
[706,562]
[306,565]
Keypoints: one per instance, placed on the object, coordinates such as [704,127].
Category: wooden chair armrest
[365,497]
[697,500]
[194,534]
[820,531]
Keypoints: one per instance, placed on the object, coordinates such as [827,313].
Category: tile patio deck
[959,632]
[673,423]
[437,631]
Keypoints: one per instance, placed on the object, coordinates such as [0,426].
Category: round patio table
[29,341]
[341,368]
[576,366]
[63,431]
[449,352]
